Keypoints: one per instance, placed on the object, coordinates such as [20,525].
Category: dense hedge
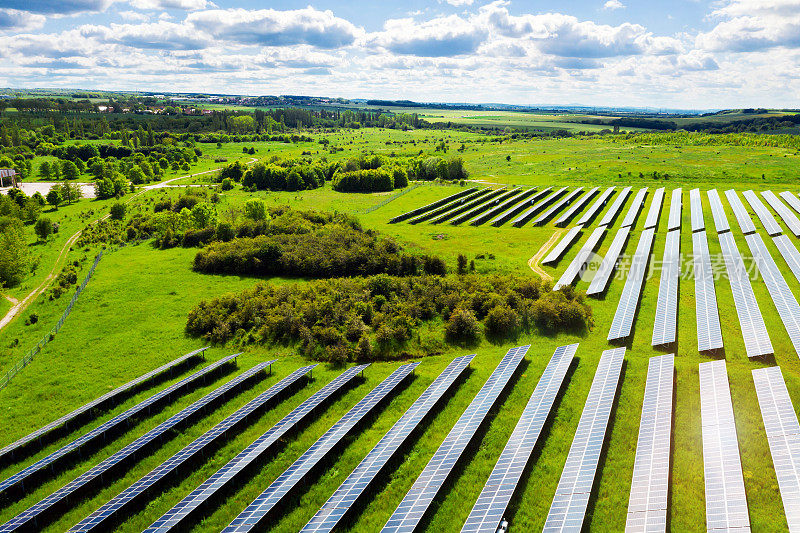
[367,180]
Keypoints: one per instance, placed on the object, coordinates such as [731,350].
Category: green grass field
[131,316]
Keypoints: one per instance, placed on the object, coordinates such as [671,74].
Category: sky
[687,54]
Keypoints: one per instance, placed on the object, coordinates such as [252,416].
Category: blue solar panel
[176,517]
[696,204]
[110,509]
[612,212]
[25,475]
[488,511]
[629,300]
[33,514]
[461,200]
[364,474]
[577,206]
[789,252]
[520,195]
[416,502]
[433,205]
[766,218]
[556,207]
[596,206]
[709,333]
[521,219]
[786,214]
[257,511]
[468,205]
[579,262]
[502,218]
[739,211]
[563,245]
[483,206]
[666,322]
[718,212]
[675,207]
[10,450]
[609,263]
[655,209]
[635,208]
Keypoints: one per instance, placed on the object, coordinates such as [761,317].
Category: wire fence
[33,352]
[392,198]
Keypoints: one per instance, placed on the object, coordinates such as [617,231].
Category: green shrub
[462,327]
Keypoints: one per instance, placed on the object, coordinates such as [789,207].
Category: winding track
[533,262]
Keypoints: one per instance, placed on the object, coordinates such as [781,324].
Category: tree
[54,196]
[43,228]
[71,192]
[136,175]
[204,215]
[13,252]
[255,209]
[462,326]
[462,264]
[117,211]
[44,170]
[69,170]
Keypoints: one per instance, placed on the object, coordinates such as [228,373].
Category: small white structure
[8,177]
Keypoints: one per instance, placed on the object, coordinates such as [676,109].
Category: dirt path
[533,262]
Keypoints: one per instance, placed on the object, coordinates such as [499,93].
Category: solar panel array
[415,503]
[754,331]
[176,517]
[675,207]
[568,509]
[502,218]
[22,477]
[502,206]
[786,214]
[782,297]
[739,211]
[483,206]
[364,474]
[635,208]
[110,509]
[30,516]
[789,252]
[488,511]
[791,199]
[726,503]
[612,211]
[655,209]
[562,246]
[718,212]
[449,206]
[447,215]
[584,256]
[606,268]
[9,451]
[596,206]
[577,206]
[433,205]
[257,511]
[629,301]
[783,435]
[647,507]
[556,207]
[521,219]
[666,322]
[696,205]
[709,332]
[766,218]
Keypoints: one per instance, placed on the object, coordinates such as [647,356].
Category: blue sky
[680,53]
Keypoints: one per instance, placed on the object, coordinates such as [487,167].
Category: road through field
[533,262]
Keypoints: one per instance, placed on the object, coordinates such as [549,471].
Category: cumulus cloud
[458,3]
[186,5]
[438,37]
[133,16]
[160,35]
[269,27]
[612,5]
[751,25]
[58,7]
[15,20]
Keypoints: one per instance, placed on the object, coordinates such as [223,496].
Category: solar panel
[754,331]
[718,212]
[416,502]
[176,518]
[520,195]
[468,206]
[287,482]
[108,511]
[647,506]
[596,206]
[584,256]
[766,218]
[791,199]
[666,322]
[31,516]
[635,208]
[521,219]
[556,207]
[789,252]
[502,218]
[562,246]
[786,214]
[449,206]
[709,333]
[463,217]
[726,503]
[10,451]
[741,214]
[489,509]
[577,206]
[783,435]
[433,205]
[568,509]
[675,206]
[364,474]
[606,268]
[25,476]
[612,212]
[626,309]
[696,204]
[655,209]
[782,297]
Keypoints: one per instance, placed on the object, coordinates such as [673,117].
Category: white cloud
[750,25]
[438,37]
[160,35]
[133,16]
[186,5]
[58,7]
[458,3]
[16,20]
[612,5]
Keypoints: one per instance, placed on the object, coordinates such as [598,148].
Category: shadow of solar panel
[754,331]
[493,501]
[655,209]
[416,502]
[556,207]
[584,256]
[483,206]
[25,475]
[696,206]
[359,480]
[740,213]
[726,503]
[9,451]
[169,467]
[635,208]
[718,212]
[629,300]
[783,436]
[596,207]
[563,245]
[527,214]
[449,206]
[609,262]
[786,214]
[520,195]
[32,516]
[568,509]
[647,506]
[675,208]
[447,215]
[709,333]
[432,205]
[257,511]
[666,322]
[577,206]
[615,208]
[766,218]
[176,517]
